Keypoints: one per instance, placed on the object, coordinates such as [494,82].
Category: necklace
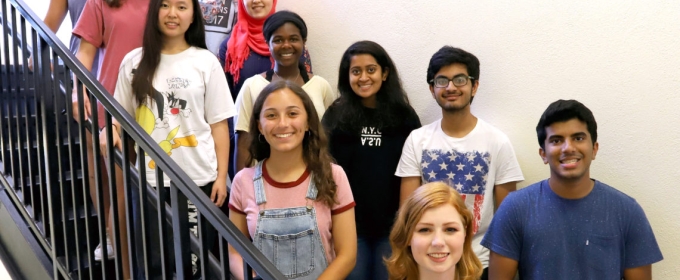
[296,78]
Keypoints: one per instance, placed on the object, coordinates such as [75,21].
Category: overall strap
[258,184]
[312,192]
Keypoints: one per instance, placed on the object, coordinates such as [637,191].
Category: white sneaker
[109,250]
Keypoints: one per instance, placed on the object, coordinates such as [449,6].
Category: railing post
[113,196]
[74,174]
[96,154]
[82,134]
[57,99]
[134,270]
[180,227]
[143,214]
[162,229]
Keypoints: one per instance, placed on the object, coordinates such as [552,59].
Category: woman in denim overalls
[305,226]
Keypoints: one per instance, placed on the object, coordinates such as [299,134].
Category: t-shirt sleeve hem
[232,207]
[221,117]
[648,261]
[342,209]
[403,175]
[86,38]
[511,179]
[499,250]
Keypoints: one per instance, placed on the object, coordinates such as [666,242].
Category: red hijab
[245,36]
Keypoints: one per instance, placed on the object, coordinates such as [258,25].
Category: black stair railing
[43,160]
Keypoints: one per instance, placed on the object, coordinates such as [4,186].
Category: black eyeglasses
[459,81]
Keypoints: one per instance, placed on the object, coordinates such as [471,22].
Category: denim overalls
[289,237]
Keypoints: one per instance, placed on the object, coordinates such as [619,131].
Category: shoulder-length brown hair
[401,264]
[314,146]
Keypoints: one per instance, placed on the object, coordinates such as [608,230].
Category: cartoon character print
[149,122]
[177,106]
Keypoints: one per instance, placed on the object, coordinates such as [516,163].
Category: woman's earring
[259,138]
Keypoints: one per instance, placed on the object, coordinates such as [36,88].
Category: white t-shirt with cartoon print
[190,94]
[472,165]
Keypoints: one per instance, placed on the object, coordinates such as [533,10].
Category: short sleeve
[640,245]
[508,169]
[236,194]
[218,102]
[345,199]
[123,92]
[244,107]
[505,232]
[90,26]
[328,94]
[408,163]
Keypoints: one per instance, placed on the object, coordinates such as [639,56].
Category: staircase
[49,224]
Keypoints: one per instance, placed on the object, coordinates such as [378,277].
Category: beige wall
[620,58]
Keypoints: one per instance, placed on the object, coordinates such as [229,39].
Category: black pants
[485,275]
[153,240]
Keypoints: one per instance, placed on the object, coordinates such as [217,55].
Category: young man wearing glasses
[570,226]
[460,149]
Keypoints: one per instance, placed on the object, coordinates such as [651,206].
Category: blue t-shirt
[595,237]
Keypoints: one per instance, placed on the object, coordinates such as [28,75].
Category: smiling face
[175,17]
[286,45]
[569,150]
[283,121]
[437,241]
[453,98]
[258,9]
[366,77]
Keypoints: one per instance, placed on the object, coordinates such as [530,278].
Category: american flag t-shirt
[464,171]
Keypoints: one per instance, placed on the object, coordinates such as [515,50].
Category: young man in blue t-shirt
[570,226]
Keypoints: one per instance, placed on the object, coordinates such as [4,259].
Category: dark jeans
[153,240]
[370,254]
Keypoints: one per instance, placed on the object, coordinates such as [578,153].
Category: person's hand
[86,105]
[219,192]
[30,63]
[115,139]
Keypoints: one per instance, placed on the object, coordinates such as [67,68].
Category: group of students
[318,178]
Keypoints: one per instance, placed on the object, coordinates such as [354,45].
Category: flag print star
[467,172]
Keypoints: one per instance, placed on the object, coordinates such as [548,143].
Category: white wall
[40,7]
[620,58]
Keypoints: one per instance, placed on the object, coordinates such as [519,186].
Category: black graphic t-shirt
[369,155]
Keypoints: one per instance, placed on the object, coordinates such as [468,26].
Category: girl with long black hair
[367,128]
[177,92]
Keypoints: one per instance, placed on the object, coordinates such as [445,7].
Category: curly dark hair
[314,145]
